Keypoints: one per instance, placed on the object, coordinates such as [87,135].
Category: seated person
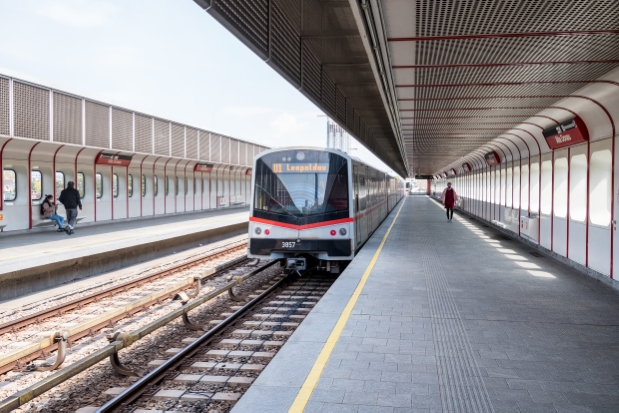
[48,210]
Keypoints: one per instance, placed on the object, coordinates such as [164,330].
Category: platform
[39,260]
[449,317]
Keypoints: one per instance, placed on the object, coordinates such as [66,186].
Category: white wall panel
[578,242]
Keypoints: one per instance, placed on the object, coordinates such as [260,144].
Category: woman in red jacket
[449,199]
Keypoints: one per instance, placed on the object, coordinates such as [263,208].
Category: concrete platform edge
[277,386]
[33,279]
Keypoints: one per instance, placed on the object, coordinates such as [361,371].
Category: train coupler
[296,264]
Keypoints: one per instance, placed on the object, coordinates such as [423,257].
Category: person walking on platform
[449,199]
[70,198]
[48,210]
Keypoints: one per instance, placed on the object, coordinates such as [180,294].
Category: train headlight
[333,232]
[258,230]
[300,156]
[343,231]
[267,232]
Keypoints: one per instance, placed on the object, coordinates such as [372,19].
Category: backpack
[41,209]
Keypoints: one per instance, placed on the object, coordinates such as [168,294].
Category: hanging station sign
[113,159]
[248,172]
[421,177]
[203,167]
[492,158]
[467,167]
[453,171]
[567,133]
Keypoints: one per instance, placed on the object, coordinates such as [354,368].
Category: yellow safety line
[304,394]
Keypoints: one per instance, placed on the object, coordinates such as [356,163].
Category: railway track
[224,352]
[215,368]
[76,322]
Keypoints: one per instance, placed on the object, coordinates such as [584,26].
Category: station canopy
[423,83]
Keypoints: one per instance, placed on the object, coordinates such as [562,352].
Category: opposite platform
[47,259]
[453,317]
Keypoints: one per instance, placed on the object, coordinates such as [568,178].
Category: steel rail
[124,340]
[12,326]
[19,357]
[139,387]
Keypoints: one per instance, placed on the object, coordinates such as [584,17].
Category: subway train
[314,208]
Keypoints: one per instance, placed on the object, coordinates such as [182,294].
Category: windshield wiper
[279,203]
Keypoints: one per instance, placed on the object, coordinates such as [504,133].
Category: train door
[370,198]
[356,201]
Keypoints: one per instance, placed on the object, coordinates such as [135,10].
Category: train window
[130,186]
[59,183]
[316,185]
[81,184]
[578,187]
[600,187]
[115,185]
[546,200]
[534,178]
[155,185]
[167,185]
[143,185]
[99,185]
[36,185]
[9,184]
[560,201]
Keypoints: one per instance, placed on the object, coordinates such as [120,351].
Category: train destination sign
[568,133]
[492,158]
[300,168]
[203,167]
[113,159]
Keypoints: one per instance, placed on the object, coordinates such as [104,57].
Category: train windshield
[301,183]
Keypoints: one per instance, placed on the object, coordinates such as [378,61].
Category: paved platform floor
[21,251]
[453,318]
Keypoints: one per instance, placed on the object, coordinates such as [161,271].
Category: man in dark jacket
[70,198]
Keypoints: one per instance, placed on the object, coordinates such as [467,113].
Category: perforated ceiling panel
[316,45]
[467,71]
[31,115]
[122,130]
[67,119]
[4,106]
[97,125]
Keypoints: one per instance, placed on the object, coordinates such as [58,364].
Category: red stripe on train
[299,227]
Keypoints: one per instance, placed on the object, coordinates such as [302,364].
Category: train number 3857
[288,244]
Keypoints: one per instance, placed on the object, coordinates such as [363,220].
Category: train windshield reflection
[301,183]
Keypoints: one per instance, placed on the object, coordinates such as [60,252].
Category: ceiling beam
[503,35]
[461,65]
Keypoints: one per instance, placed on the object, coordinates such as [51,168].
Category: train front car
[300,210]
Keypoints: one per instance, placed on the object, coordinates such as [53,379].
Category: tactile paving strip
[461,385]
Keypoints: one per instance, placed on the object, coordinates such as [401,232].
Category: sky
[166,58]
